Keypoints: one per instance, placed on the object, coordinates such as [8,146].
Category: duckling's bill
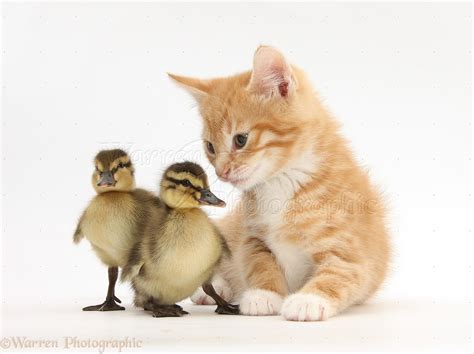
[208,198]
[106,179]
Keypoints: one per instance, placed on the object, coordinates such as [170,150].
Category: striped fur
[308,238]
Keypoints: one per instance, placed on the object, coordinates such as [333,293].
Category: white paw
[222,288]
[258,302]
[306,307]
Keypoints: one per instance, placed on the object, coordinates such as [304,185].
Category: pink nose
[224,174]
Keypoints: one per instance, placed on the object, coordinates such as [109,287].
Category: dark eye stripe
[126,165]
[182,182]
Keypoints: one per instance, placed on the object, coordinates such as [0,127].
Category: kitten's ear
[196,87]
[271,74]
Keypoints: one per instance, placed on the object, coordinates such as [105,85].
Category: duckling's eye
[121,165]
[210,148]
[186,183]
[240,140]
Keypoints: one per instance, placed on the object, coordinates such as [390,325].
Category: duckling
[115,217]
[180,247]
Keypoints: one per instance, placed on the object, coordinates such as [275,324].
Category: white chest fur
[272,197]
[295,262]
[272,200]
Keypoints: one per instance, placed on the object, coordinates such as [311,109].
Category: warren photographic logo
[147,155]
[70,343]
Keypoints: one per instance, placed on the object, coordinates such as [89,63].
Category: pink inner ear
[283,88]
[271,73]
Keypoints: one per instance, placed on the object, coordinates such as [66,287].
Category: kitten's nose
[224,173]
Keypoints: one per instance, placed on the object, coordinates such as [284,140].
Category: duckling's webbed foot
[107,305]
[223,307]
[110,303]
[168,311]
[164,310]
[228,309]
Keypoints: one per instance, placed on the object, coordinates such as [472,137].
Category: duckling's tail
[78,234]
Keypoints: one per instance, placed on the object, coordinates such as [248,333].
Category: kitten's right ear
[196,87]
[272,75]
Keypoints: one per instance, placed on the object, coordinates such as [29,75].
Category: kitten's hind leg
[223,307]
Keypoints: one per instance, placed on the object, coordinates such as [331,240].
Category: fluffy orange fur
[308,237]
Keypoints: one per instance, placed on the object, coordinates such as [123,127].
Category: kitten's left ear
[196,87]
[272,74]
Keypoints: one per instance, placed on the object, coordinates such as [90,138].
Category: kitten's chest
[269,217]
[268,220]
[293,258]
[266,208]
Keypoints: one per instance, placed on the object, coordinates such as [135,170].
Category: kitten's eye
[240,140]
[210,148]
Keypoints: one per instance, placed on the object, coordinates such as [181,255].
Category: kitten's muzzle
[224,173]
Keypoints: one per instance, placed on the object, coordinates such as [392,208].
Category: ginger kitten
[308,237]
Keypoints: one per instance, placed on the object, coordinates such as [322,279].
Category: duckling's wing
[134,263]
[130,271]
[146,204]
[78,234]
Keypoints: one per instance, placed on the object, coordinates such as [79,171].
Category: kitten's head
[254,121]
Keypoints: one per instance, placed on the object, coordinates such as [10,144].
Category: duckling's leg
[223,307]
[110,301]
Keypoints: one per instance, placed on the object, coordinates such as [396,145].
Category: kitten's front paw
[222,289]
[258,302]
[307,307]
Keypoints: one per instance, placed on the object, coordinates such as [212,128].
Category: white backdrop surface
[79,77]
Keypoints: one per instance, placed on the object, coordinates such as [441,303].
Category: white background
[78,78]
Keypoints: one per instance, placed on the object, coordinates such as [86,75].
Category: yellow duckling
[180,247]
[115,218]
